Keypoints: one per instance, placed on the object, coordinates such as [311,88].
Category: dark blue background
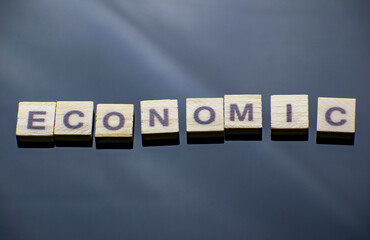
[125,51]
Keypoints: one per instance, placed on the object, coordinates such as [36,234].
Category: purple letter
[153,113]
[211,117]
[289,113]
[31,120]
[328,116]
[120,123]
[66,119]
[248,108]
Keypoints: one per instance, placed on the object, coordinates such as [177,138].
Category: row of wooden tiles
[208,120]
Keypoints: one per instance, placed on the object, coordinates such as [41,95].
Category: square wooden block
[73,123]
[289,117]
[243,117]
[205,120]
[35,124]
[336,115]
[336,120]
[114,126]
[159,122]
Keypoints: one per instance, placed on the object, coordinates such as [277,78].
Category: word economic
[208,120]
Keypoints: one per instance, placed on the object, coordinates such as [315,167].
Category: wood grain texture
[297,105]
[336,115]
[205,120]
[76,127]
[114,120]
[35,121]
[153,111]
[159,122]
[114,126]
[199,116]
[248,114]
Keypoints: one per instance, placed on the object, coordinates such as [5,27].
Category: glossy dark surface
[126,51]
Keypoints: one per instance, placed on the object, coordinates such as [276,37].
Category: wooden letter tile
[205,120]
[336,120]
[114,125]
[289,117]
[73,123]
[159,122]
[35,124]
[243,117]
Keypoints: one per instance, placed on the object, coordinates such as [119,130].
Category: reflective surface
[126,51]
